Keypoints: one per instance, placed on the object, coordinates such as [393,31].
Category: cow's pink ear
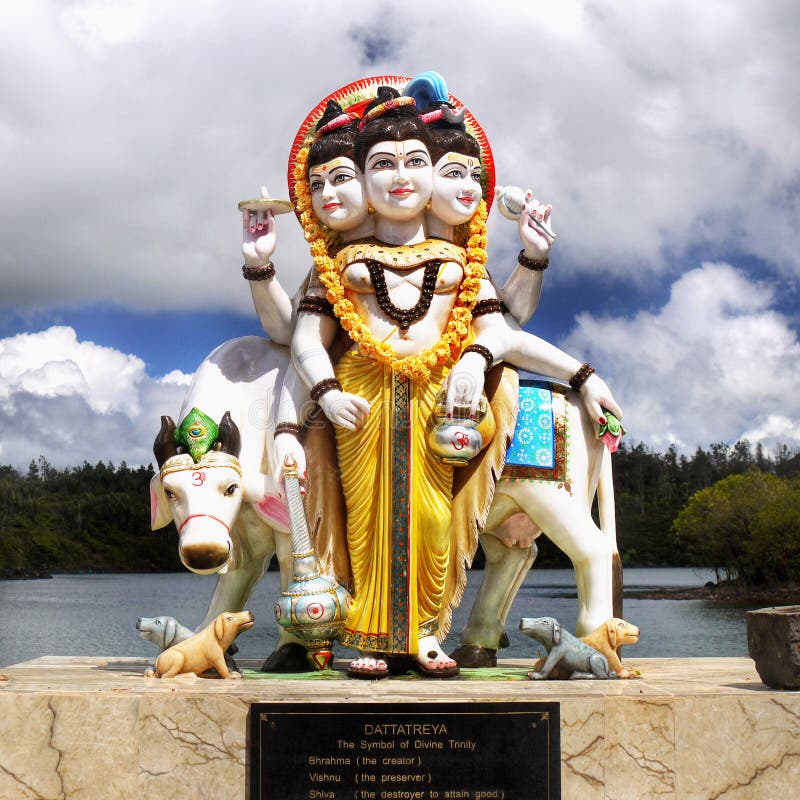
[160,512]
[273,511]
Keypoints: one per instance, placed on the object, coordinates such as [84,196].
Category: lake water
[95,615]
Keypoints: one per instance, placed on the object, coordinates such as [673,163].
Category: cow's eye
[231,490]
[170,494]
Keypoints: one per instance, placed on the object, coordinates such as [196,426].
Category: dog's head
[229,624]
[546,630]
[158,630]
[620,632]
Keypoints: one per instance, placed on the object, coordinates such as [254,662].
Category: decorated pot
[457,440]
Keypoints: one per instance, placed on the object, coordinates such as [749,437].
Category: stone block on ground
[773,641]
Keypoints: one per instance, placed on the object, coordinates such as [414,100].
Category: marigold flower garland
[450,344]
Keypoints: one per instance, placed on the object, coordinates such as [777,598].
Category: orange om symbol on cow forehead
[198,478]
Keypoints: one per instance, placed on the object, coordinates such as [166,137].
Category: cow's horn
[165,446]
[229,440]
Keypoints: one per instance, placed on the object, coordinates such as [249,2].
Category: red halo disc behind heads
[355,96]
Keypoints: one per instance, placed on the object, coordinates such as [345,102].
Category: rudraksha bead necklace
[404,317]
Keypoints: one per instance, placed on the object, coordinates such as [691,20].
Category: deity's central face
[456,188]
[398,177]
[337,193]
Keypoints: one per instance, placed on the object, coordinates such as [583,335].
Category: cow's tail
[608,524]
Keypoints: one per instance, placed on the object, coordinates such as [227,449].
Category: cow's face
[203,500]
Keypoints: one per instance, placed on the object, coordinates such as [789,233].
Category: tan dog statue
[609,637]
[606,639]
[205,649]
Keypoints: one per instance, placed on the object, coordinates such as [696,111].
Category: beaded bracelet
[287,427]
[259,273]
[532,263]
[490,306]
[313,304]
[325,385]
[581,376]
[481,351]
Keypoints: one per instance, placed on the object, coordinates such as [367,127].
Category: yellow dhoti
[398,499]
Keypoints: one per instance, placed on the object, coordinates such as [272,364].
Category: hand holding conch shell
[532,217]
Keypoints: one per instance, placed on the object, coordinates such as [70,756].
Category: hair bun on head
[388,102]
[383,94]
[332,110]
[334,119]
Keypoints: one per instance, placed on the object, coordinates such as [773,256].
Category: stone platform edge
[96,728]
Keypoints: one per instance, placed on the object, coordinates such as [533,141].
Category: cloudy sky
[664,133]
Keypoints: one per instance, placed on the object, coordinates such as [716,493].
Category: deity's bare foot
[368,666]
[432,662]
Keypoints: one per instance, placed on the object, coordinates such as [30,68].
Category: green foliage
[92,517]
[745,526]
[651,488]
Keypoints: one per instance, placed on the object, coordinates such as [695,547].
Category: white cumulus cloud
[72,401]
[715,364]
[54,363]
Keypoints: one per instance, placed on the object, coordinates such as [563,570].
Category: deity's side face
[457,188]
[398,178]
[337,193]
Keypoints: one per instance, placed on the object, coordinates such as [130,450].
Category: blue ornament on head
[427,89]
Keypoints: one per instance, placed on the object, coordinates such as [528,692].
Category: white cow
[226,507]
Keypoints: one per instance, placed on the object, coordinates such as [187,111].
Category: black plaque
[422,751]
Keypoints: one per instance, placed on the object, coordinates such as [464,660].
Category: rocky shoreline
[728,594]
[23,574]
[783,595]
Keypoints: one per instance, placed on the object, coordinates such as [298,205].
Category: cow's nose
[205,555]
[139,624]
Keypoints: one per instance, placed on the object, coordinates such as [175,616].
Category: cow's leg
[593,575]
[233,589]
[588,549]
[566,519]
[510,551]
[505,570]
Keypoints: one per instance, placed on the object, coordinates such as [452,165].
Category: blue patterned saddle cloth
[539,447]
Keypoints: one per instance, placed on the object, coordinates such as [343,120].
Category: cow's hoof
[287,658]
[471,655]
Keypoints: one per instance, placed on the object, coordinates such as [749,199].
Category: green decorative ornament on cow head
[197,433]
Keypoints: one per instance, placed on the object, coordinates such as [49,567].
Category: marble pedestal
[95,728]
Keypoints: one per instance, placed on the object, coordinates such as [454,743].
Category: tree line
[96,517]
[86,518]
